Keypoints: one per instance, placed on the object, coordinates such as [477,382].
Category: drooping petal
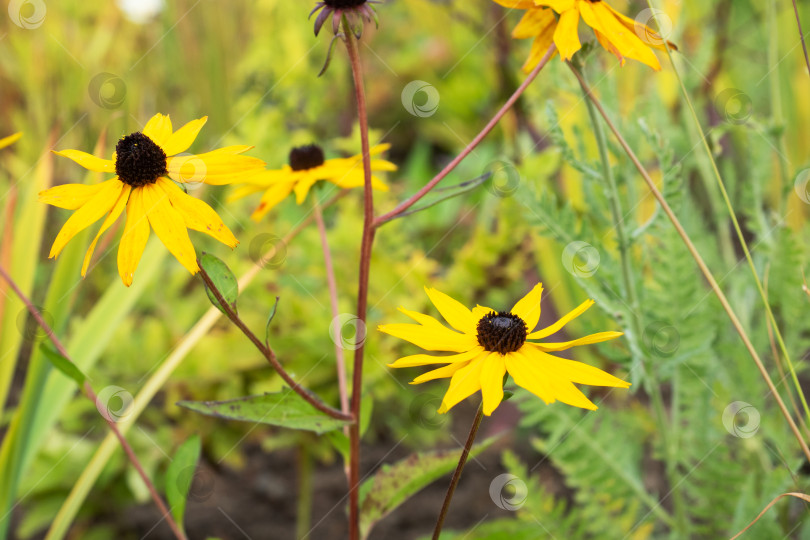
[215,168]
[11,139]
[169,226]
[439,373]
[576,372]
[587,340]
[106,224]
[464,383]
[601,18]
[557,5]
[431,338]
[272,197]
[492,373]
[90,212]
[549,330]
[534,22]
[356,178]
[180,140]
[71,196]
[453,311]
[528,307]
[527,375]
[540,46]
[88,161]
[427,359]
[159,129]
[133,241]
[645,33]
[566,35]
[304,184]
[197,215]
[421,318]
[556,379]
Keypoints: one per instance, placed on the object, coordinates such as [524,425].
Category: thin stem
[457,474]
[632,299]
[701,264]
[91,395]
[268,352]
[303,513]
[333,301]
[362,288]
[470,147]
[801,35]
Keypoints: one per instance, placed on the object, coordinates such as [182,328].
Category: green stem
[632,299]
[304,505]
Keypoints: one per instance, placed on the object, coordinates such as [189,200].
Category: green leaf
[180,475]
[284,409]
[393,484]
[270,320]
[64,365]
[224,280]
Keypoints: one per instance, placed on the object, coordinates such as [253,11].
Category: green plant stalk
[777,113]
[703,268]
[305,486]
[740,235]
[632,297]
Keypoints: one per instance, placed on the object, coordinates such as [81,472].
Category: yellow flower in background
[11,139]
[489,344]
[621,35]
[308,166]
[144,162]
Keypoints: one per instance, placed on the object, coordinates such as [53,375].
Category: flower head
[308,165]
[354,11]
[145,164]
[489,344]
[11,139]
[620,35]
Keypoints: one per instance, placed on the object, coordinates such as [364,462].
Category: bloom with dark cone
[355,11]
[488,344]
[147,164]
[617,33]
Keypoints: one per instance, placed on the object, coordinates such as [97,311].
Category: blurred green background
[81,74]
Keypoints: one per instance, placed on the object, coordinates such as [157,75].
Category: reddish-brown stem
[362,288]
[268,352]
[462,460]
[801,35]
[88,390]
[403,206]
[333,301]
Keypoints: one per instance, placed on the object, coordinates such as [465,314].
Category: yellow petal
[534,23]
[431,338]
[566,35]
[274,195]
[426,359]
[516,4]
[540,46]
[492,373]
[622,38]
[465,382]
[90,212]
[159,129]
[11,139]
[197,215]
[106,224]
[421,318]
[302,187]
[180,140]
[453,311]
[646,34]
[169,226]
[576,372]
[133,241]
[528,307]
[88,161]
[356,178]
[215,168]
[557,5]
[440,373]
[71,196]
[549,330]
[527,375]
[478,312]
[587,340]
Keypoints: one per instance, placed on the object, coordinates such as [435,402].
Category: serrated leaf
[393,484]
[283,409]
[180,475]
[224,280]
[64,365]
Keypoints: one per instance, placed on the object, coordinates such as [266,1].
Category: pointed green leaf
[64,365]
[394,484]
[284,409]
[180,475]
[223,279]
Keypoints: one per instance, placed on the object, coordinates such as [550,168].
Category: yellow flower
[488,344]
[144,162]
[620,35]
[307,166]
[11,139]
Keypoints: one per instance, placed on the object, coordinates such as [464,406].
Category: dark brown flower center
[306,157]
[343,4]
[139,160]
[501,332]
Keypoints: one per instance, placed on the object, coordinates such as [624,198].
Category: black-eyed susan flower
[489,344]
[11,139]
[145,163]
[307,165]
[617,33]
[355,12]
